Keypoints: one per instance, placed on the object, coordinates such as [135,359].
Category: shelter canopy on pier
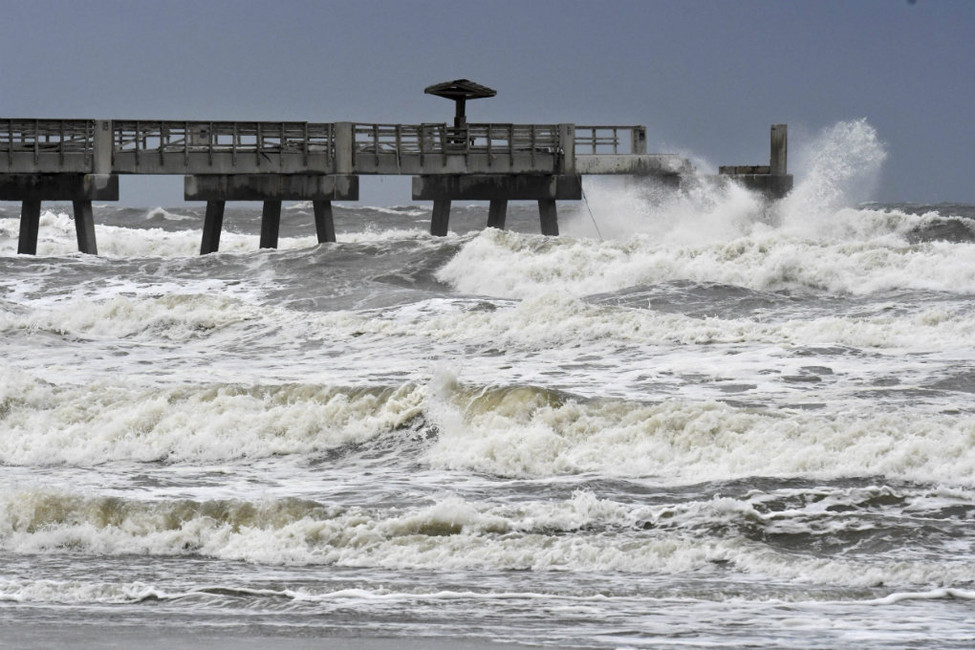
[460,90]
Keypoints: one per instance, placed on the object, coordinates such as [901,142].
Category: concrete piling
[212,225]
[30,218]
[324,222]
[270,224]
[84,224]
[441,217]
[549,217]
[497,212]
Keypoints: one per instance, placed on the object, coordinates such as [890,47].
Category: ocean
[695,419]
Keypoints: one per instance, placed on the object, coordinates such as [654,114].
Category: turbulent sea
[694,420]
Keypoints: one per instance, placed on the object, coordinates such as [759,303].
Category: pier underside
[80,189]
[498,189]
[272,189]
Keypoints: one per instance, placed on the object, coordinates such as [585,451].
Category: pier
[81,160]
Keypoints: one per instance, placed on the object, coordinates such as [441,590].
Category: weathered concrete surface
[731,170]
[58,187]
[549,217]
[497,187]
[637,165]
[270,224]
[30,218]
[212,226]
[497,214]
[779,150]
[772,180]
[268,187]
[84,224]
[440,219]
[324,221]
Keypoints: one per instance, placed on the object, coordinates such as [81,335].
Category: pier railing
[610,140]
[162,147]
[46,145]
[401,148]
[207,147]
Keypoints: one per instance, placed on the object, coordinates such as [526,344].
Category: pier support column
[549,217]
[212,225]
[497,211]
[271,189]
[81,189]
[324,223]
[498,189]
[441,217]
[30,219]
[84,224]
[270,224]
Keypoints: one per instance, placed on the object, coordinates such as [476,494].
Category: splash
[840,168]
[703,211]
[837,169]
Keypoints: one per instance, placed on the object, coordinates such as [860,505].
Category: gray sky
[707,77]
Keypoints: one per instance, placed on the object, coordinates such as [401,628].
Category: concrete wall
[488,187]
[58,187]
[268,187]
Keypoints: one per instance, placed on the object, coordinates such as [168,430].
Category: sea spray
[840,168]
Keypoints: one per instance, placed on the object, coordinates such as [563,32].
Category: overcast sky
[707,77]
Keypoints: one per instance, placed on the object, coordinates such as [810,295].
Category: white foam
[532,433]
[452,534]
[550,320]
[168,216]
[867,254]
[102,422]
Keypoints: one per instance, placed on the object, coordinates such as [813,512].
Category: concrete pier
[80,160]
[772,180]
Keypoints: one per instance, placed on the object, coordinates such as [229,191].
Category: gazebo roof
[460,88]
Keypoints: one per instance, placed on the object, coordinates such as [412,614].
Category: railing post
[638,140]
[779,150]
[102,146]
[567,143]
[344,147]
